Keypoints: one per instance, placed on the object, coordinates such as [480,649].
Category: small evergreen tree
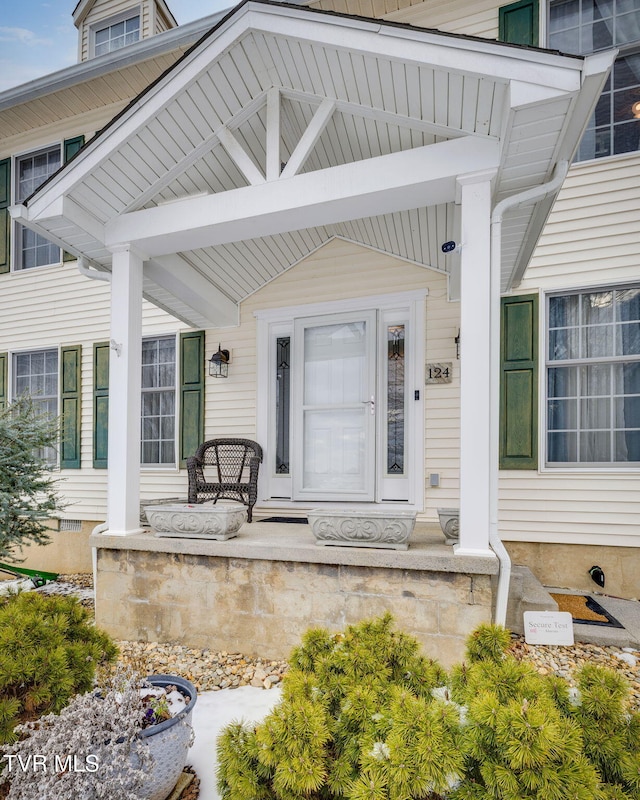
[49,651]
[28,494]
[365,717]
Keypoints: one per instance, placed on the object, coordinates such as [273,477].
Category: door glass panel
[337,418]
[395,399]
[283,399]
[334,363]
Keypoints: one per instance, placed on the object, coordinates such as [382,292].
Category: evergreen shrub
[48,652]
[365,716]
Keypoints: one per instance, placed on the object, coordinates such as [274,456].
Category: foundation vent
[70,525]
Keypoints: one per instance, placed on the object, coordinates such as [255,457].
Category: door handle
[371,403]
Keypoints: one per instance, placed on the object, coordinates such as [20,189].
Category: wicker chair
[225,468]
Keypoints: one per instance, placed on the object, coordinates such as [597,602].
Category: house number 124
[439,373]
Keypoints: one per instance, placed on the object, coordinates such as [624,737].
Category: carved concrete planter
[386,529]
[450,524]
[206,521]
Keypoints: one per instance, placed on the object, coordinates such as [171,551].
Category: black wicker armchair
[225,468]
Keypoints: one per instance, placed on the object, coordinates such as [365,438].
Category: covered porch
[285,129]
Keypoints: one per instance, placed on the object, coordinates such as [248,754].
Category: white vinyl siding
[592,239]
[73,310]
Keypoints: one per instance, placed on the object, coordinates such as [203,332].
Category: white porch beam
[381,185]
[178,276]
[125,365]
[309,138]
[475,366]
[240,156]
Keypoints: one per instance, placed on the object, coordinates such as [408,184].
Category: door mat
[298,520]
[585,610]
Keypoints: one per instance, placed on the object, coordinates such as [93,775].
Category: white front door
[334,423]
[340,407]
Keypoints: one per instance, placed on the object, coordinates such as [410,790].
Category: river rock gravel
[211,670]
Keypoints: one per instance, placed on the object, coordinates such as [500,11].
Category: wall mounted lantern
[457,341]
[219,364]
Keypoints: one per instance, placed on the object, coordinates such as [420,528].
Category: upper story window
[585,26]
[32,170]
[116,34]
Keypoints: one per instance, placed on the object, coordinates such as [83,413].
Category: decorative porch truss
[285,127]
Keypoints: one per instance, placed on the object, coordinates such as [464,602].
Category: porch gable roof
[284,127]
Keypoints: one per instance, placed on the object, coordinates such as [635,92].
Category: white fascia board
[395,182]
[442,51]
[179,277]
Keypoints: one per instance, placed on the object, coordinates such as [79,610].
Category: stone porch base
[256,594]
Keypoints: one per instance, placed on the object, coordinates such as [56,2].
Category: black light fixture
[219,364]
[457,341]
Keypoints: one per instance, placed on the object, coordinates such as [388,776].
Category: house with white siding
[414,227]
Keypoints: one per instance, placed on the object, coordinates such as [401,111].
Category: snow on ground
[212,712]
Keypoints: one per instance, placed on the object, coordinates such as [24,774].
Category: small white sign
[548,627]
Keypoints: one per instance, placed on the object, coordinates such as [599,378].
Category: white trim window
[158,407]
[593,378]
[118,32]
[35,373]
[31,171]
[582,27]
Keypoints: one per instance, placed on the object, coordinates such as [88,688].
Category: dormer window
[117,33]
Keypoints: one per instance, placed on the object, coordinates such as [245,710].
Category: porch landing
[257,593]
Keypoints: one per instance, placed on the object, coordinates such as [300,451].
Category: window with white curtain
[35,373]
[158,400]
[593,377]
[581,27]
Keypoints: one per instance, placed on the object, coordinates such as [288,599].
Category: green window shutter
[70,406]
[100,404]
[70,148]
[518,23]
[5,221]
[519,383]
[191,393]
[4,388]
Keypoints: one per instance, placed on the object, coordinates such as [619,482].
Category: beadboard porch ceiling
[284,127]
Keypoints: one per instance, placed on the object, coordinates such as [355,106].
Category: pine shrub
[48,653]
[365,716]
[29,494]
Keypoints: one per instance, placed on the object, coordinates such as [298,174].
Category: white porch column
[475,365]
[123,500]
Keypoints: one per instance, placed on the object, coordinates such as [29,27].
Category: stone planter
[221,520]
[385,529]
[168,742]
[450,524]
